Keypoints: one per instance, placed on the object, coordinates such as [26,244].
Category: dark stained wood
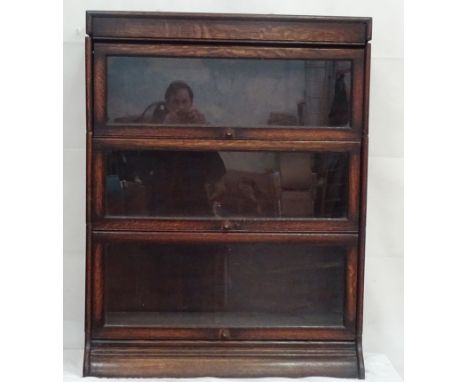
[225,51]
[357,91]
[89,177]
[351,287]
[142,347]
[362,245]
[98,180]
[231,237]
[88,300]
[98,287]
[99,90]
[214,145]
[360,358]
[112,130]
[363,215]
[353,177]
[216,225]
[217,27]
[225,359]
[151,333]
[366,87]
[89,191]
[89,83]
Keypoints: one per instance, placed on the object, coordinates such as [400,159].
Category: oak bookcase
[226,194]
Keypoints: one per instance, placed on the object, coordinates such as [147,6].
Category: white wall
[383,312]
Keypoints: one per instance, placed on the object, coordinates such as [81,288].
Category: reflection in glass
[224,285]
[228,92]
[227,184]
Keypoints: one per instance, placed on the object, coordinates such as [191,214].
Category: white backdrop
[383,304]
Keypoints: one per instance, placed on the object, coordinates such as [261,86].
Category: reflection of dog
[244,194]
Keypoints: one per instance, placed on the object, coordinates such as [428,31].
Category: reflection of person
[180,179]
[179,105]
[175,182]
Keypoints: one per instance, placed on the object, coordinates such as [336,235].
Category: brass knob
[224,334]
[229,133]
[227,225]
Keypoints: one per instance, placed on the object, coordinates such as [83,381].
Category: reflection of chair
[242,193]
[289,192]
[298,185]
[158,115]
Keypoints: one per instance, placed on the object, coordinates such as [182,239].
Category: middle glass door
[249,190]
[192,184]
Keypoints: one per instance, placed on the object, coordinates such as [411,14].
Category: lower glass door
[229,285]
[226,285]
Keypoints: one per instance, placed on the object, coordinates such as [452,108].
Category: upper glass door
[205,90]
[228,92]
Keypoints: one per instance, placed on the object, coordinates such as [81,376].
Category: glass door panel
[224,285]
[228,92]
[227,184]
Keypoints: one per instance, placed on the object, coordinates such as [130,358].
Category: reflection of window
[326,95]
[332,186]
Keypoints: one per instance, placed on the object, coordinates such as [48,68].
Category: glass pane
[227,184]
[228,92]
[238,285]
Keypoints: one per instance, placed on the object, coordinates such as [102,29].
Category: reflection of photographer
[165,183]
[179,105]
[177,108]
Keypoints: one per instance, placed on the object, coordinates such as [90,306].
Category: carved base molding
[222,359]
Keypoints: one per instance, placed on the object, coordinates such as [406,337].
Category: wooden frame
[126,351]
[224,359]
[243,28]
